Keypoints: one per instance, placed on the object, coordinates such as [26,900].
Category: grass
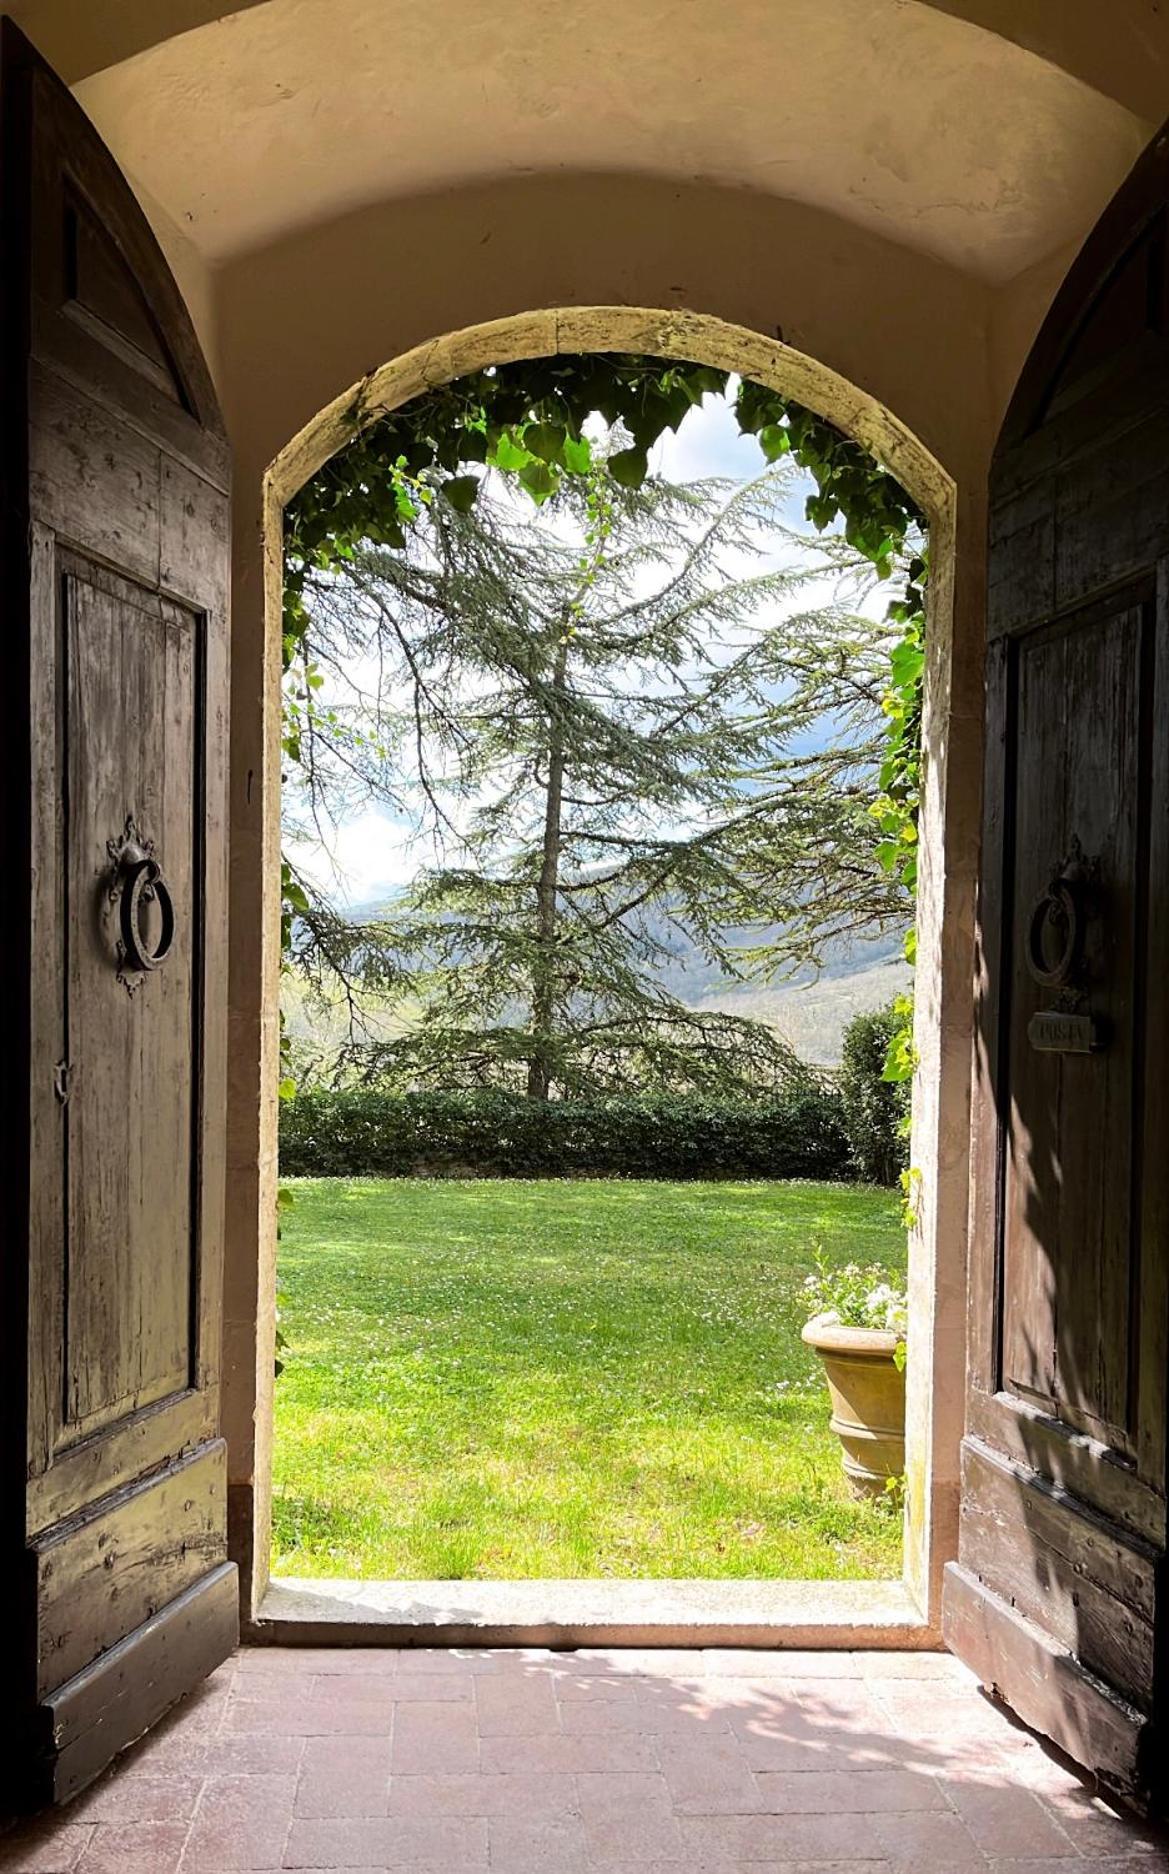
[512,1379]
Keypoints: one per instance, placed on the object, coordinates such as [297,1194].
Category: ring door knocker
[137,882]
[1054,953]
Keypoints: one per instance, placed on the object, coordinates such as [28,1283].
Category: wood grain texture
[1047,1686]
[1060,1599]
[124,1558]
[114,466]
[1040,1550]
[110,1703]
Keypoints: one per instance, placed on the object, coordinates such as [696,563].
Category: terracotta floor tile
[646,1837]
[134,1848]
[47,1845]
[290,1659]
[269,1686]
[792,1755]
[573,1685]
[656,1661]
[352,1662]
[615,1797]
[435,1738]
[511,1707]
[608,1718]
[523,1844]
[848,1792]
[603,1762]
[709,1776]
[928,1840]
[139,1797]
[696,1711]
[251,1753]
[591,1754]
[343,1776]
[783,1838]
[431,1687]
[449,1659]
[940,1667]
[241,1822]
[1075,1864]
[507,1794]
[448,1844]
[1094,1826]
[1008,1822]
[301,1716]
[781,1663]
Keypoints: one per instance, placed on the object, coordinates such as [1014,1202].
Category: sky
[372,853]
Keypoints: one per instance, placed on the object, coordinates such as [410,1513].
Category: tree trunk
[544,971]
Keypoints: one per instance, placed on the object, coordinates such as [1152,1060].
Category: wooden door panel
[93,332]
[1058,1598]
[133,678]
[1070,1253]
[140,1548]
[1096,1590]
[87,1720]
[114,465]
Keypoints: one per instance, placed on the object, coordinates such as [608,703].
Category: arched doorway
[944,953]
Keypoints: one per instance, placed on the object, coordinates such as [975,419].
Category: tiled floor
[623,1763]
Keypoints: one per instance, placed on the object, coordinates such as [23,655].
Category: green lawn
[547,1378]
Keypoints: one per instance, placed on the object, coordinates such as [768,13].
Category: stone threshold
[843,1615]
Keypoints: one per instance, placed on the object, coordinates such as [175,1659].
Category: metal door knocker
[1055,916]
[1054,954]
[136,882]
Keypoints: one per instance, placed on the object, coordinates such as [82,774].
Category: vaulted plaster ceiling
[906,118]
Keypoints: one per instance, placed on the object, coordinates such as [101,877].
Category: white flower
[829,1318]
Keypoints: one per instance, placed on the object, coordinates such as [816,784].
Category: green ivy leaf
[774,441]
[539,480]
[629,467]
[546,440]
[461,492]
[578,455]
[508,453]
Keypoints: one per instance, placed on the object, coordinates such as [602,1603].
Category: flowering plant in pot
[857,1325]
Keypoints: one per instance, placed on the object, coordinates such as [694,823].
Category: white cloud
[368,856]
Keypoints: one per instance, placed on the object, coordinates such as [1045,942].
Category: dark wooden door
[119,1596]
[1059,1595]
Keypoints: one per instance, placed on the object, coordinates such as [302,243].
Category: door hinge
[61,1082]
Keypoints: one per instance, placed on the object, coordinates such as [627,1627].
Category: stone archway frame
[837,1614]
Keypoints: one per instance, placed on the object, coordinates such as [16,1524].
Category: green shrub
[796,1134]
[873,1108]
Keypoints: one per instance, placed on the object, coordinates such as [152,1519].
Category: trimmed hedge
[874,1109]
[798,1134]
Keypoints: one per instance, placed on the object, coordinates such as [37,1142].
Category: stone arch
[937,1258]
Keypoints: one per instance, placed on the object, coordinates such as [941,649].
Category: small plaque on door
[1058,1031]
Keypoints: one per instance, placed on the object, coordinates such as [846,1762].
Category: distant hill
[812,1016]
[810,1011]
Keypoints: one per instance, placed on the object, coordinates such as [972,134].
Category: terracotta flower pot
[868,1401]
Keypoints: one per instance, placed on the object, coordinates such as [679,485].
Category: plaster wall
[1120,51]
[774,98]
[888,187]
[297,325]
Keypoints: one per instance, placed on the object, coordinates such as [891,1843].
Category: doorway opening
[719,348]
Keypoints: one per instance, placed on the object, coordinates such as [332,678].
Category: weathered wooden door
[1059,1598]
[118,1596]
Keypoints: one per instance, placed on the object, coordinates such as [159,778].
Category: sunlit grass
[508,1379]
